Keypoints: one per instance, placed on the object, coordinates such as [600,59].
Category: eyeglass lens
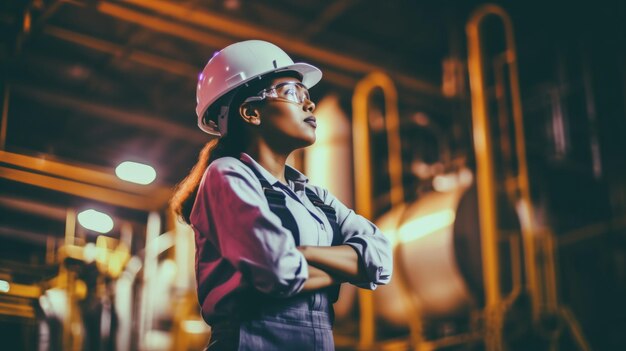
[293,91]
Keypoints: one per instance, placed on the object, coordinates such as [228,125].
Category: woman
[271,249]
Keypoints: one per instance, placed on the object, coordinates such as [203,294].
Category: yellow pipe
[362,143]
[83,190]
[550,272]
[22,290]
[363,166]
[503,123]
[484,159]
[516,269]
[5,116]
[526,220]
[100,177]
[70,227]
[485,180]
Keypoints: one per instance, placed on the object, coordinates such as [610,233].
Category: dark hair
[232,144]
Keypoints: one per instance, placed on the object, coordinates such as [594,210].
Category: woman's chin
[305,143]
[307,138]
[311,140]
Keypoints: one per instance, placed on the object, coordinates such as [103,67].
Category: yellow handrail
[362,172]
[485,172]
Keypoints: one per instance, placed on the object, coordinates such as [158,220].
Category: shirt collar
[290,172]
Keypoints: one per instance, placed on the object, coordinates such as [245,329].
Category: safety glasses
[294,92]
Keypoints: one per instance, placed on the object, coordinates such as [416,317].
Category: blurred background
[487,140]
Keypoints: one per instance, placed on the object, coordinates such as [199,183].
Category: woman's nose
[308,106]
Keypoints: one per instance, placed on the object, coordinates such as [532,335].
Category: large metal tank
[438,265]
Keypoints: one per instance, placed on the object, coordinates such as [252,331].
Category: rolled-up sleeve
[249,235]
[373,248]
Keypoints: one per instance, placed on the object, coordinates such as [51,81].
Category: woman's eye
[290,92]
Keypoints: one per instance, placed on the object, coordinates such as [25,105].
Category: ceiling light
[96,221]
[135,172]
[4,286]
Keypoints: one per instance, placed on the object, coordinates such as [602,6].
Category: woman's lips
[311,121]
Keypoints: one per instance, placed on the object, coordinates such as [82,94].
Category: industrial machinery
[436,240]
[466,258]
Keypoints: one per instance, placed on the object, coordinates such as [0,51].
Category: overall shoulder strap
[276,201]
[331,291]
[330,214]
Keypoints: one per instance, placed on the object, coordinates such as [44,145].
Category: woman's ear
[250,114]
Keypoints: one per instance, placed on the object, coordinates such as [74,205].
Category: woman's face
[287,125]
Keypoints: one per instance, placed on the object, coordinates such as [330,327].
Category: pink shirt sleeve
[248,234]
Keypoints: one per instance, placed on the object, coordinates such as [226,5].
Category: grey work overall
[302,322]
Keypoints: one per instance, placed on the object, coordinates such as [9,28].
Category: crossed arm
[331,265]
[365,261]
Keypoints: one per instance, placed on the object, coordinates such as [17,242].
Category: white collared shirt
[241,243]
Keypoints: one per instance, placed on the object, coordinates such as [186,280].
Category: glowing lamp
[4,286]
[135,172]
[96,221]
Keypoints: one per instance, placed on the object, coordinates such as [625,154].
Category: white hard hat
[236,65]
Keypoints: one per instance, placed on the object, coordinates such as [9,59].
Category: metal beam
[184,69]
[243,30]
[101,179]
[145,58]
[95,110]
[113,197]
[38,208]
[38,238]
[331,12]
[159,62]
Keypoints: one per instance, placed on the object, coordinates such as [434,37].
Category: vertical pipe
[126,235]
[521,182]
[68,320]
[550,273]
[51,247]
[184,256]
[506,149]
[363,200]
[528,227]
[70,226]
[362,166]
[484,160]
[362,143]
[123,292]
[558,125]
[485,180]
[5,116]
[592,117]
[67,279]
[151,254]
